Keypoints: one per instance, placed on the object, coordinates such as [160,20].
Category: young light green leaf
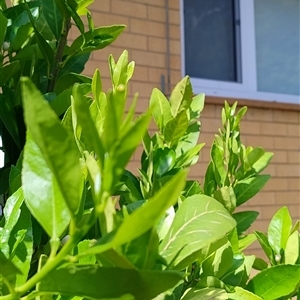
[160,108]
[279,230]
[11,214]
[182,96]
[142,284]
[247,188]
[291,252]
[225,195]
[55,143]
[275,282]
[176,128]
[240,294]
[41,191]
[199,222]
[205,294]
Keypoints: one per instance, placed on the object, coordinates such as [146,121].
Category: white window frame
[248,88]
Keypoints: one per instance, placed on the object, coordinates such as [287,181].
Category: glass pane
[277,45]
[210,40]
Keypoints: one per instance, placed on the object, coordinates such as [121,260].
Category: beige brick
[136,10]
[249,127]
[107,19]
[209,110]
[260,141]
[147,27]
[276,184]
[174,4]
[175,47]
[174,16]
[156,73]
[155,13]
[140,73]
[103,6]
[286,198]
[286,143]
[160,3]
[257,114]
[293,156]
[174,32]
[269,212]
[146,58]
[276,129]
[144,89]
[262,198]
[131,41]
[294,184]
[157,44]
[284,116]
[279,156]
[175,62]
[294,211]
[287,170]
[176,76]
[293,130]
[103,54]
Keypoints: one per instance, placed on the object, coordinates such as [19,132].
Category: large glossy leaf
[55,143]
[160,108]
[41,191]
[53,17]
[11,214]
[145,217]
[21,245]
[291,252]
[181,97]
[205,294]
[176,128]
[241,294]
[244,220]
[98,39]
[275,282]
[279,229]
[199,222]
[97,282]
[247,188]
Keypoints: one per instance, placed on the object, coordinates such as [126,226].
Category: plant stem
[59,54]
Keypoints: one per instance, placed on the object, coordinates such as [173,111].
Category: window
[243,48]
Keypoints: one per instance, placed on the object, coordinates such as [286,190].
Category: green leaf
[8,117]
[21,245]
[41,191]
[181,97]
[259,264]
[163,160]
[291,252]
[263,240]
[53,17]
[55,143]
[248,188]
[217,156]
[3,24]
[11,214]
[199,222]
[8,270]
[142,284]
[189,157]
[246,241]
[68,80]
[145,217]
[279,230]
[82,6]
[240,293]
[244,220]
[176,128]
[205,294]
[225,195]
[97,39]
[160,108]
[75,64]
[7,72]
[275,282]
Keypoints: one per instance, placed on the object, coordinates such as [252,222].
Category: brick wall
[276,128]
